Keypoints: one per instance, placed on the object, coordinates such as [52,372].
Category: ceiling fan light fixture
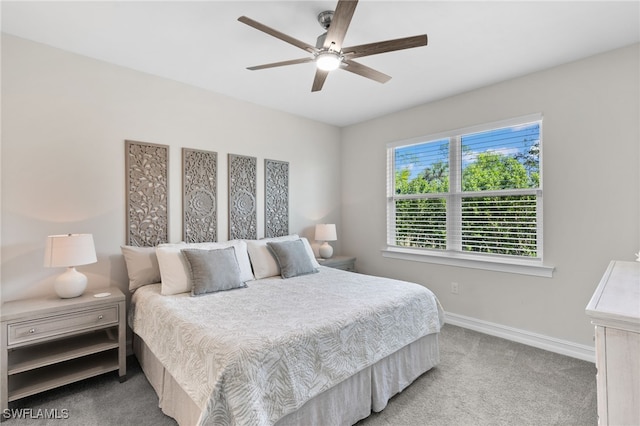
[329,54]
[328,61]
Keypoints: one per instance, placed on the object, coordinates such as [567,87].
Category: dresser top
[16,309]
[616,301]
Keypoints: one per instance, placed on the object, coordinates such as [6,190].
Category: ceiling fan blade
[384,46]
[365,71]
[340,23]
[319,80]
[281,64]
[277,34]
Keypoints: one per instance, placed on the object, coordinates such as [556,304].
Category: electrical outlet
[455,289]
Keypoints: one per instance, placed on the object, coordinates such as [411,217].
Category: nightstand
[346,263]
[49,342]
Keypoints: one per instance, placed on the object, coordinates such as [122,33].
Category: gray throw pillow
[292,257]
[213,270]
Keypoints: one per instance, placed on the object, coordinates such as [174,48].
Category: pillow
[242,256]
[213,270]
[174,269]
[264,265]
[312,257]
[142,266]
[292,258]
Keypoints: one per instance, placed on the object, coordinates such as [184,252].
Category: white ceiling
[471,44]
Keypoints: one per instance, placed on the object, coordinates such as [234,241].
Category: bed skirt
[344,404]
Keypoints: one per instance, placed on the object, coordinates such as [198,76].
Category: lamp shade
[69,250]
[326,232]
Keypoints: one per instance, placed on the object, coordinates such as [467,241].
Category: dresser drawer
[40,328]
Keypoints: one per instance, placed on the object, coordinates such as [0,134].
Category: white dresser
[614,309]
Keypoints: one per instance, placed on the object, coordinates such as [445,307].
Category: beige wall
[591,191]
[64,121]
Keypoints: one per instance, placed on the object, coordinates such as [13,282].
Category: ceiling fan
[328,53]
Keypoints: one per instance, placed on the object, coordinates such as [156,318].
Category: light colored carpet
[485,380]
[481,380]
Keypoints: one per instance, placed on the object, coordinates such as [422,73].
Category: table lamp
[69,250]
[326,232]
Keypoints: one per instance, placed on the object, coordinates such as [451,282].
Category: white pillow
[174,269]
[263,262]
[142,266]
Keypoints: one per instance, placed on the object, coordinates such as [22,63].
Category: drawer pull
[32,330]
[100,317]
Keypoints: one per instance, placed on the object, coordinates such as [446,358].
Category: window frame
[453,255]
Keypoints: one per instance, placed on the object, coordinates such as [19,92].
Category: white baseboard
[563,347]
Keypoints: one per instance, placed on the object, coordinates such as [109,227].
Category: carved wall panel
[147,167]
[199,197]
[276,190]
[242,197]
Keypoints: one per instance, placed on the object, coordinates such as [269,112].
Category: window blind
[473,192]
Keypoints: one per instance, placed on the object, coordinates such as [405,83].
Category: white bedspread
[250,356]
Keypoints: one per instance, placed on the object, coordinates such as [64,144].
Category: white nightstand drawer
[44,327]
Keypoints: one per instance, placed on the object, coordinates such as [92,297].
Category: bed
[320,347]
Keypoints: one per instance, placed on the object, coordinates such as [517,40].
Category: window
[471,193]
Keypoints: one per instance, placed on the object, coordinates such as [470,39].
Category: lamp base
[70,284]
[325,250]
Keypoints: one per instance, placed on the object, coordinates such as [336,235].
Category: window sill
[514,266]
